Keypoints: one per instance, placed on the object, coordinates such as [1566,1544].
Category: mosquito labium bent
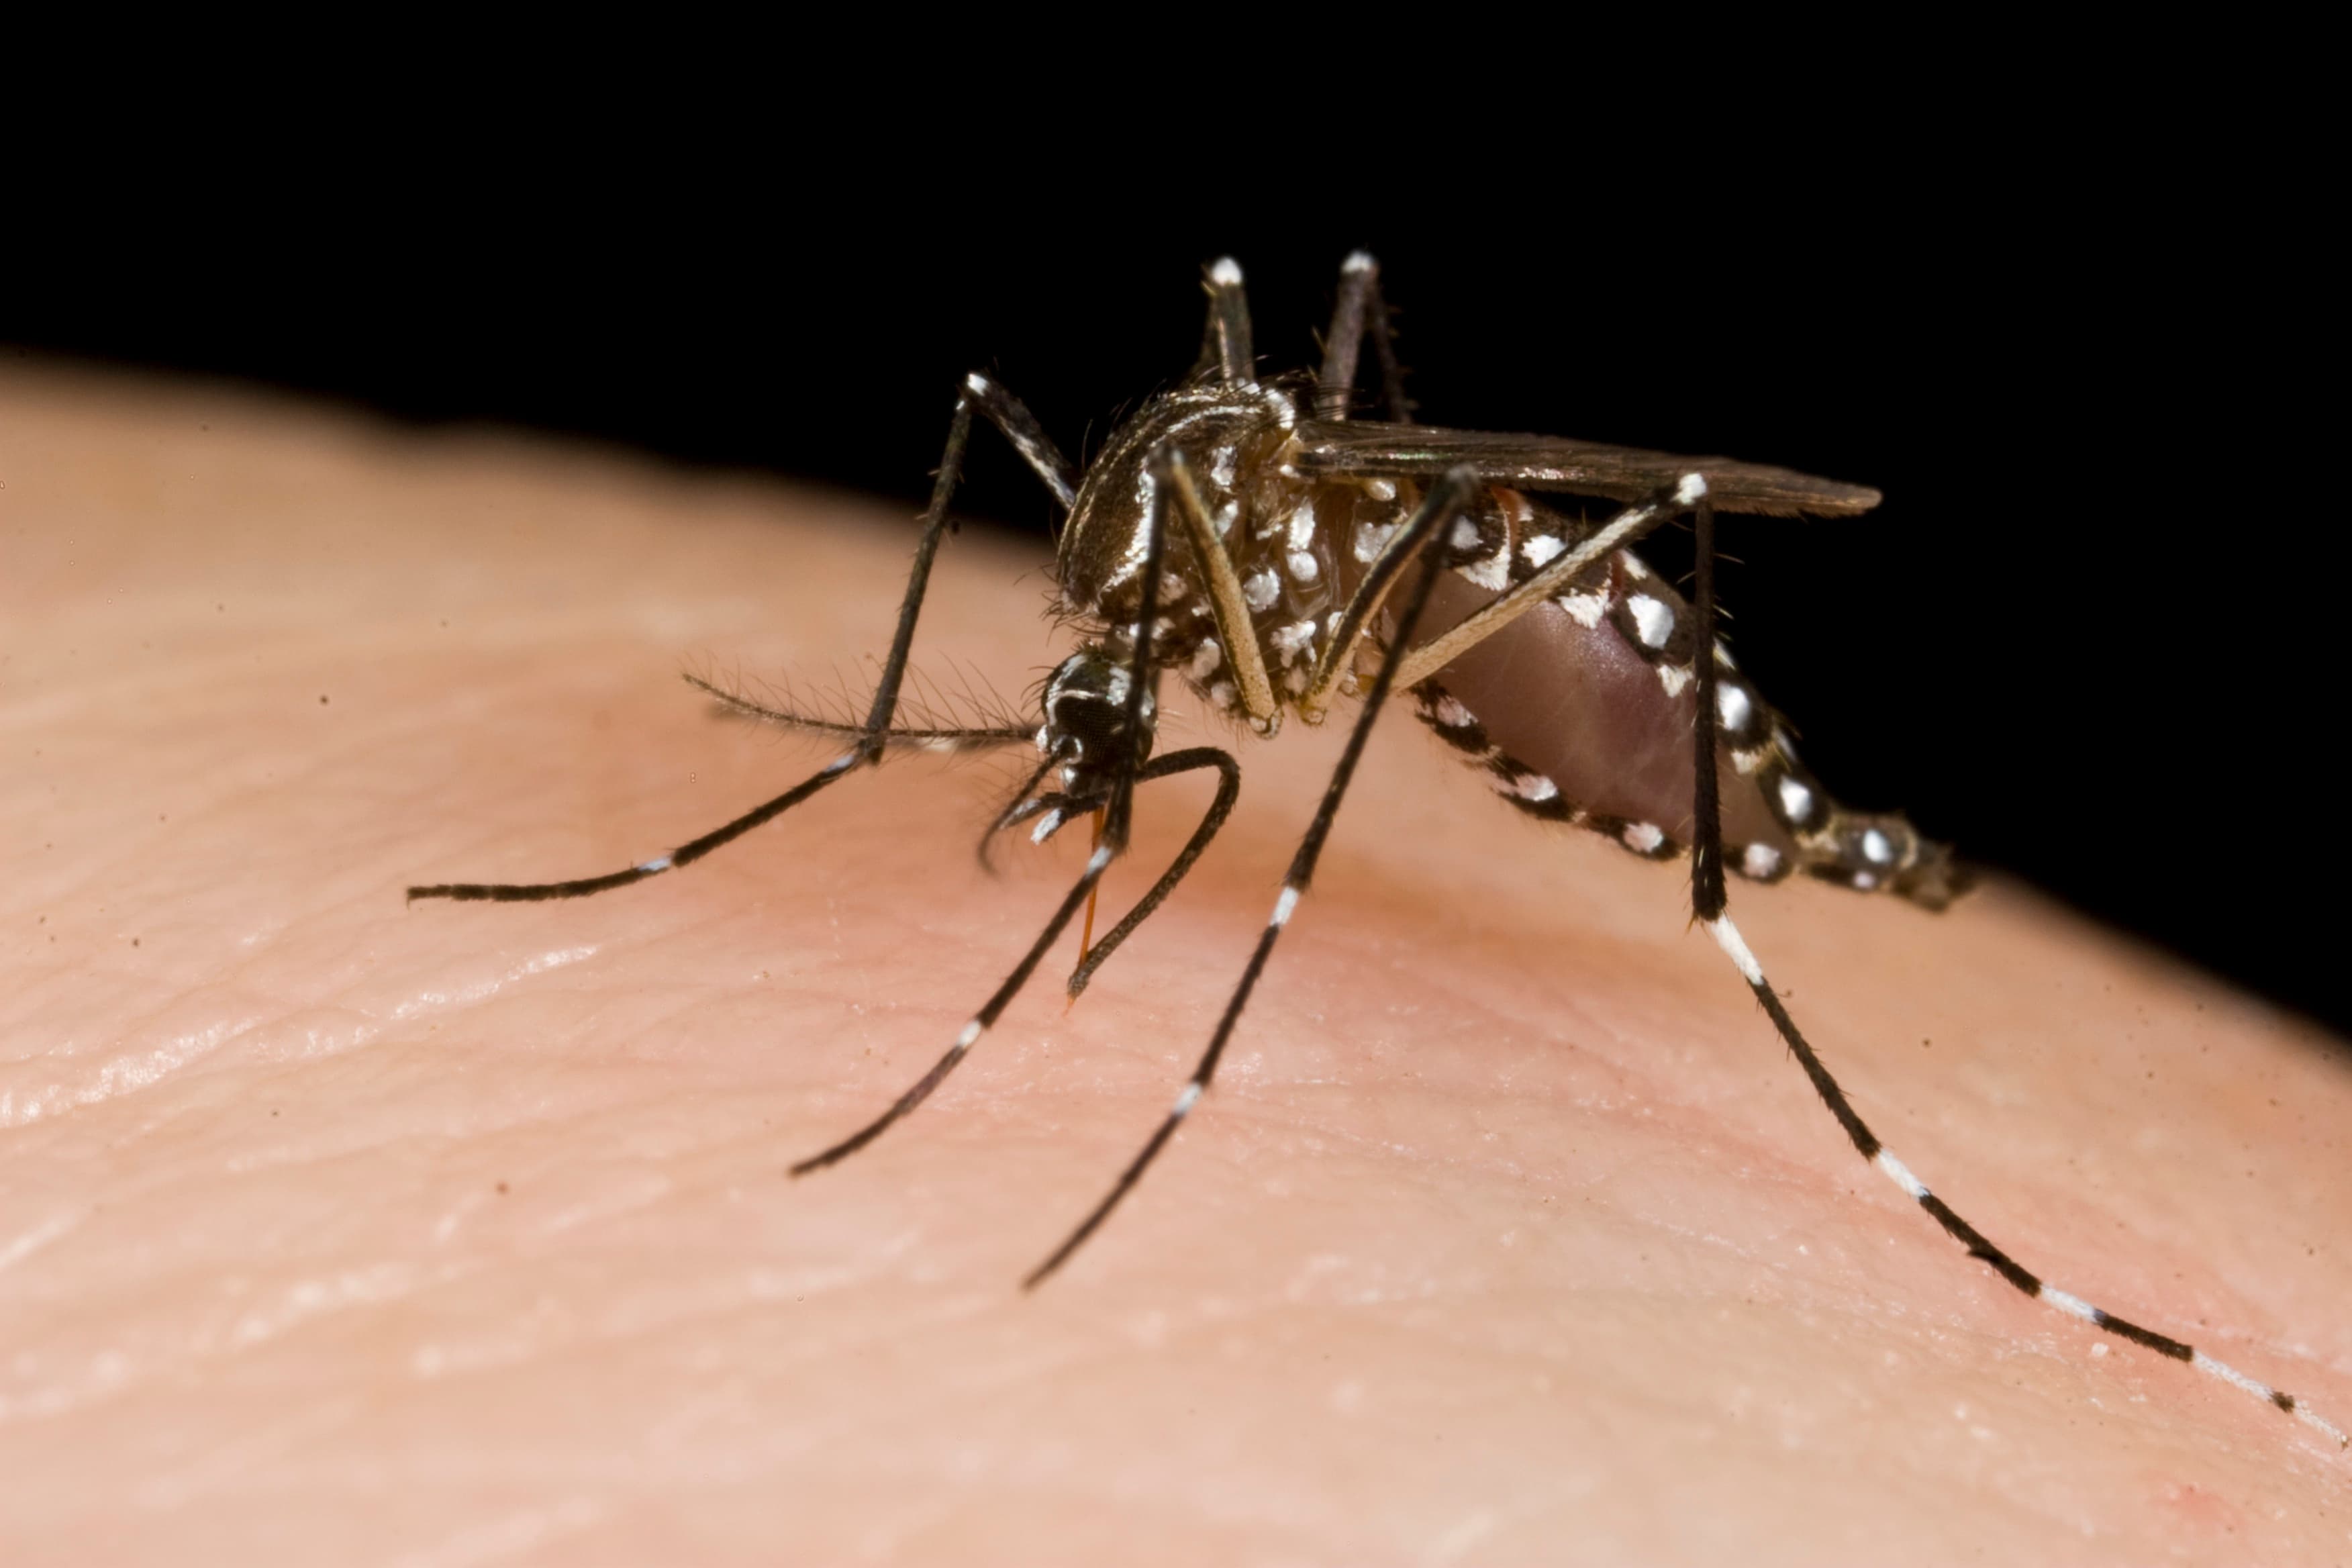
[1276,552]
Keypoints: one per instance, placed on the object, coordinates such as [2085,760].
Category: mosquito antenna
[1708,907]
[953,737]
[1446,499]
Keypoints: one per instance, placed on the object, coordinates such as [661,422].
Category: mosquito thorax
[1291,538]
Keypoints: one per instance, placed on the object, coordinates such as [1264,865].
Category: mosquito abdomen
[1581,710]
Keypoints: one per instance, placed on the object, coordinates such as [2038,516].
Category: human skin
[334,1228]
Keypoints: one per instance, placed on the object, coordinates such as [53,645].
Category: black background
[2090,637]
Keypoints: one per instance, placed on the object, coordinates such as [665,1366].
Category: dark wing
[1369,449]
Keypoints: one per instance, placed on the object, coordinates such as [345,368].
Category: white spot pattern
[1493,573]
[1733,708]
[1652,622]
[1302,524]
[1584,609]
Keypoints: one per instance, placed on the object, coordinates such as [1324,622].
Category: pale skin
[333,1228]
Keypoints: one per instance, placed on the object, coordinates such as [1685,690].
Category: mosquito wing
[1367,449]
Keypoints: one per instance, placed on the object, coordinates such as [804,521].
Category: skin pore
[333,1228]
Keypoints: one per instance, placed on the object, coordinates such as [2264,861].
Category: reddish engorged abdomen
[1578,704]
[1583,709]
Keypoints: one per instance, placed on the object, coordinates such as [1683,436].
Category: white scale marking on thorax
[1302,524]
[1293,640]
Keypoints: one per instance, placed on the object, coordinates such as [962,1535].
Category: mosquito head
[1086,721]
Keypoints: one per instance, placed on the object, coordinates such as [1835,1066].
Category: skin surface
[336,1229]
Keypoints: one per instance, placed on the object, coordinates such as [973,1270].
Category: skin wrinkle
[1510,1232]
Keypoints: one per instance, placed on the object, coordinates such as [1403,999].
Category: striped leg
[1446,499]
[1058,810]
[1117,796]
[1707,901]
[1175,762]
[870,740]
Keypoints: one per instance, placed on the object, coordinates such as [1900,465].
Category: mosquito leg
[1643,516]
[1120,801]
[1225,348]
[869,739]
[1018,425]
[1708,904]
[1707,795]
[980,1022]
[1420,663]
[1167,468]
[1230,611]
[1229,788]
[1446,499]
[1059,810]
[1358,311]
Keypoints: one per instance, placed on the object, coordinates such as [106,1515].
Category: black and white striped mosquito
[1276,554]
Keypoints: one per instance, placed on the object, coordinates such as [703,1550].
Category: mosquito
[1275,552]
